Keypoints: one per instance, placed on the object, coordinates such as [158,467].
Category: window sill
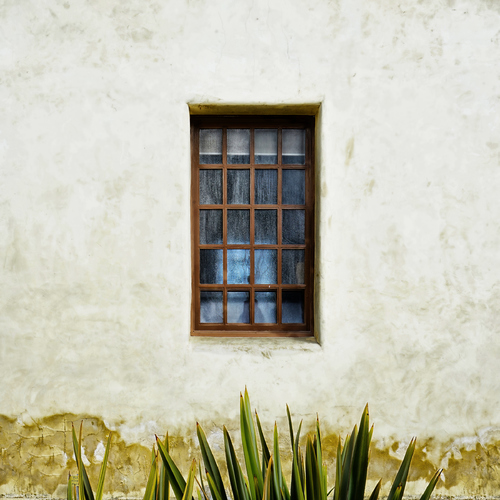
[249,345]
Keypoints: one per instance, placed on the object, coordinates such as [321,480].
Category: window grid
[253,328]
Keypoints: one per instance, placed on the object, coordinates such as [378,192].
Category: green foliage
[83,479]
[158,485]
[264,478]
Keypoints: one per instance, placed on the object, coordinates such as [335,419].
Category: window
[252,225]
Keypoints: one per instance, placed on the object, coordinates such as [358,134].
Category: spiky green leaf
[296,488]
[213,487]
[102,473]
[402,475]
[376,491]
[278,482]
[290,425]
[432,484]
[164,484]
[83,481]
[268,481]
[238,485]
[313,476]
[359,467]
[174,476]
[210,463]
[345,480]
[69,492]
[188,491]
[151,484]
[250,451]
[265,449]
[319,458]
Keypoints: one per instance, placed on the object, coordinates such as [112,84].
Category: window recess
[252,225]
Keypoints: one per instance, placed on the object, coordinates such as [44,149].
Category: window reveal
[253,224]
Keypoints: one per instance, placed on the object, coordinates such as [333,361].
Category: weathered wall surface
[95,240]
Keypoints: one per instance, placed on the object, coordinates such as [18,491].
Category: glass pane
[266,265]
[210,267]
[238,267]
[293,227]
[265,307]
[292,306]
[210,227]
[238,307]
[210,187]
[293,147]
[293,187]
[292,267]
[238,146]
[266,187]
[211,307]
[266,146]
[210,145]
[238,227]
[238,187]
[265,227]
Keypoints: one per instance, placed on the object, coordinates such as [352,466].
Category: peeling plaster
[36,458]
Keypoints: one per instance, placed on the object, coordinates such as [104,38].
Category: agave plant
[84,488]
[264,478]
[183,490]
[157,487]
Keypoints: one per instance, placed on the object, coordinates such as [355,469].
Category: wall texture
[95,241]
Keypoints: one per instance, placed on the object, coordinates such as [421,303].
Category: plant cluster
[83,483]
[264,478]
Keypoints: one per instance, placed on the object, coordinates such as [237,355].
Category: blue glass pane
[293,187]
[265,227]
[266,264]
[238,227]
[293,147]
[210,267]
[211,307]
[292,306]
[265,307]
[292,267]
[210,227]
[266,187]
[210,146]
[238,187]
[210,187]
[238,267]
[238,307]
[266,146]
[238,146]
[293,229]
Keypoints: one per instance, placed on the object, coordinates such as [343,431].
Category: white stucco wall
[95,289]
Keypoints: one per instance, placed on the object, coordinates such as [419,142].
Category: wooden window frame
[252,122]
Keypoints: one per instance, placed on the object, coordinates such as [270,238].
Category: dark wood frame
[253,330]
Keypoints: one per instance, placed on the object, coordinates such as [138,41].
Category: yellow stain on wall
[36,459]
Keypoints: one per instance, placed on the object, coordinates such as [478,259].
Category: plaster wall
[95,281]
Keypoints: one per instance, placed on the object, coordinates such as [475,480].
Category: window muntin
[253,224]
